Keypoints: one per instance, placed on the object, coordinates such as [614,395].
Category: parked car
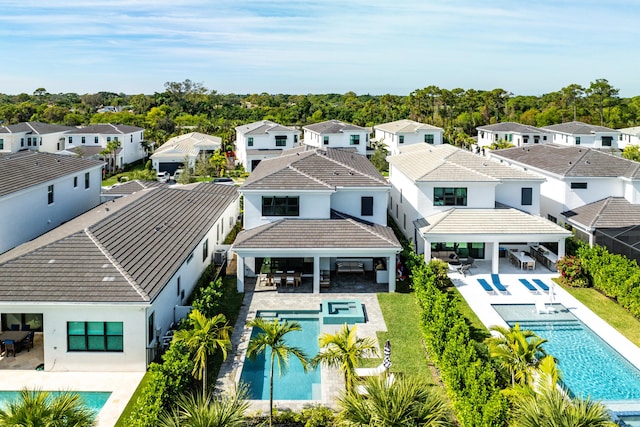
[164,176]
[177,174]
[224,181]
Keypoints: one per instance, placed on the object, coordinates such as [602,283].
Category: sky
[318,46]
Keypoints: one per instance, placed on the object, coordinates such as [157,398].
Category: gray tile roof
[577,128]
[333,126]
[313,168]
[126,257]
[265,151]
[262,127]
[25,169]
[406,126]
[131,187]
[429,163]
[571,161]
[107,129]
[612,212]
[512,127]
[35,128]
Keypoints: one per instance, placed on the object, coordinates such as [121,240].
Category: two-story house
[337,134]
[513,133]
[173,154]
[262,140]
[89,141]
[629,136]
[104,288]
[596,193]
[34,136]
[39,191]
[309,209]
[402,133]
[447,199]
[583,134]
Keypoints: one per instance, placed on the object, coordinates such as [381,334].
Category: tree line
[189,106]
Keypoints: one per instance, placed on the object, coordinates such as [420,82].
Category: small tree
[219,161]
[41,408]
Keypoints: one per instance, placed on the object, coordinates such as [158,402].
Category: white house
[262,140]
[103,289]
[583,134]
[172,154]
[39,191]
[444,198]
[33,136]
[629,136]
[402,133]
[337,134]
[310,209]
[89,141]
[514,133]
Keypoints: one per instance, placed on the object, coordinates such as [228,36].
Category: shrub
[572,272]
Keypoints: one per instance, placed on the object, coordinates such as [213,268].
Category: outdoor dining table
[16,336]
[523,260]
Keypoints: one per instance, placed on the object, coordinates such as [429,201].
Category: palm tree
[518,351]
[272,338]
[343,350]
[199,410]
[203,337]
[408,401]
[36,408]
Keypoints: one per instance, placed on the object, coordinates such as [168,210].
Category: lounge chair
[542,308]
[463,269]
[529,286]
[497,284]
[542,285]
[486,286]
[370,372]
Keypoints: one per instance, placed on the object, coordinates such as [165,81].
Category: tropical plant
[343,350]
[572,271]
[272,338]
[518,352]
[198,410]
[34,408]
[407,401]
[203,337]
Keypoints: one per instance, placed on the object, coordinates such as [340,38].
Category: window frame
[87,180]
[107,347]
[579,185]
[429,138]
[366,206]
[250,141]
[280,206]
[449,196]
[325,140]
[279,140]
[354,139]
[205,250]
[526,199]
[50,194]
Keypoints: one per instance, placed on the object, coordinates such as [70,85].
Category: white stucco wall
[510,193]
[338,140]
[315,205]
[349,201]
[392,140]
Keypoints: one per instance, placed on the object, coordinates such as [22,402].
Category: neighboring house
[514,133]
[39,191]
[262,140]
[444,198]
[33,136]
[582,182]
[310,208]
[124,189]
[337,134]
[105,287]
[629,136]
[89,141]
[402,133]
[172,154]
[585,135]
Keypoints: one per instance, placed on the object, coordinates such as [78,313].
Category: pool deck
[332,381]
[481,301]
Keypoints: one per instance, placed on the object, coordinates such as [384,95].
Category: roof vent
[351,173]
[588,162]
[336,173]
[569,161]
[51,261]
[108,279]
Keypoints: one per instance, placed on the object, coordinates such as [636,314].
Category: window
[58,146]
[29,142]
[108,139]
[280,206]
[50,194]
[131,138]
[95,336]
[396,211]
[295,138]
[178,285]
[250,141]
[404,221]
[544,137]
[510,137]
[428,138]
[21,142]
[449,196]
[536,139]
[606,141]
[577,140]
[151,327]
[75,182]
[401,195]
[281,140]
[190,258]
[354,139]
[70,140]
[525,139]
[527,196]
[205,250]
[1,144]
[84,139]
[578,185]
[86,180]
[95,139]
[366,206]
[552,218]
[401,139]
[325,140]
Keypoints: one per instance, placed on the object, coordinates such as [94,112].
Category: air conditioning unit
[219,256]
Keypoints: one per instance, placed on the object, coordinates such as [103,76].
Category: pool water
[94,400]
[295,384]
[589,366]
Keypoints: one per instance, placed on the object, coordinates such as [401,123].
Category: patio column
[495,258]
[561,250]
[391,270]
[240,273]
[427,252]
[316,274]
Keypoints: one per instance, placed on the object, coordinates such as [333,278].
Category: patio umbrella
[386,362]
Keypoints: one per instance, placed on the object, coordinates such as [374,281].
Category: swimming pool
[94,400]
[590,367]
[295,384]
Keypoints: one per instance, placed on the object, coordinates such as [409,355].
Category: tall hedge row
[470,379]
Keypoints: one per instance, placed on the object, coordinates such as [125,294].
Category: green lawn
[114,179]
[127,410]
[610,311]
[478,331]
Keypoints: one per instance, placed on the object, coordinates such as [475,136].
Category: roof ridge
[319,181]
[383,181]
[574,164]
[368,228]
[117,266]
[601,210]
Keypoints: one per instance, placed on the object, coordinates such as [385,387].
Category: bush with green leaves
[572,272]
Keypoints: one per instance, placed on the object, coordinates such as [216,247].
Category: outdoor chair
[28,341]
[463,269]
[291,280]
[15,327]
[9,347]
